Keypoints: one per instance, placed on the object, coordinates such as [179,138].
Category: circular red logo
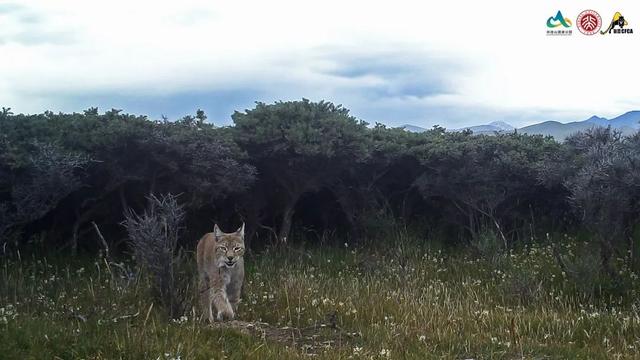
[589,22]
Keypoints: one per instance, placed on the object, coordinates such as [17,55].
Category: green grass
[404,301]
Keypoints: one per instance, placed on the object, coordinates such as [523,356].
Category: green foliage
[125,158]
[488,180]
[600,169]
[313,166]
[296,129]
[298,147]
[585,271]
[522,287]
[489,245]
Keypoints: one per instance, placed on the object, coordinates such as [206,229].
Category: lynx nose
[230,258]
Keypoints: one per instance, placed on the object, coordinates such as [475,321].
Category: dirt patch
[311,340]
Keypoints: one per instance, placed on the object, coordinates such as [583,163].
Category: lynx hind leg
[206,299]
[207,302]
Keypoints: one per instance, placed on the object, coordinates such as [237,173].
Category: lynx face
[229,247]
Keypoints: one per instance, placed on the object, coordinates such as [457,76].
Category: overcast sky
[448,62]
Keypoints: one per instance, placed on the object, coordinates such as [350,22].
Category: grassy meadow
[402,300]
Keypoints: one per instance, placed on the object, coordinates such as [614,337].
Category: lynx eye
[222,248]
[237,248]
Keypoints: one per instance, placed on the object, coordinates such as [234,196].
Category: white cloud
[503,64]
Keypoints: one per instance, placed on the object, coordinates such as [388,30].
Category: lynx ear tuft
[241,230]
[217,232]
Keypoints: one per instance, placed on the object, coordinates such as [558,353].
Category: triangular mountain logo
[558,20]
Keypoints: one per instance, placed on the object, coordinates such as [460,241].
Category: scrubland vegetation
[365,241]
[403,300]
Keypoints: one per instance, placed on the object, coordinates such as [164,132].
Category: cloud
[361,79]
[408,62]
[398,73]
[7,8]
[38,37]
[23,25]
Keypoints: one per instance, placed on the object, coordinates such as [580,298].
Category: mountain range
[628,123]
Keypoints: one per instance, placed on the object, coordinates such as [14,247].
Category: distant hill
[496,126]
[493,127]
[628,123]
[556,129]
[630,119]
[600,121]
[413,128]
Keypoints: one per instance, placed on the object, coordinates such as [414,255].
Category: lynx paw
[225,315]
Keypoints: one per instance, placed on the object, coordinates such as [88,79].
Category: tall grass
[404,300]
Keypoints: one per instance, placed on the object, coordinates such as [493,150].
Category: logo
[559,21]
[619,21]
[589,22]
[554,22]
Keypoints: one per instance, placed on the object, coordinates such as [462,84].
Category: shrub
[584,270]
[489,246]
[153,237]
[522,286]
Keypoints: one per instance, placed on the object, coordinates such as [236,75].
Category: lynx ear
[241,231]
[217,232]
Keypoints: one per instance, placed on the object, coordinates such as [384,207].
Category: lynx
[221,272]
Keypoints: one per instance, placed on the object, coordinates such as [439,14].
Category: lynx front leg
[221,302]
[234,297]
[234,305]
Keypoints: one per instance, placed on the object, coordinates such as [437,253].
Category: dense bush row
[314,170]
